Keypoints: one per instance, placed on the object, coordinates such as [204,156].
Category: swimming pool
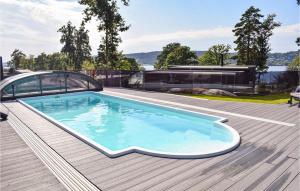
[118,126]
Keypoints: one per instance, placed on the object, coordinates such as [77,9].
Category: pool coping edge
[140,150]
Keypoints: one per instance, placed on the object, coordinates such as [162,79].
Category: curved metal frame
[15,79]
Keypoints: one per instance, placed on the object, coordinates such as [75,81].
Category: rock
[198,90]
[201,91]
[180,90]
[175,90]
[219,92]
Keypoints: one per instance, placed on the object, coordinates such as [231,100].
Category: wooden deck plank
[285,151]
[295,154]
[294,185]
[218,183]
[262,176]
[139,172]
[20,168]
[98,166]
[211,170]
[286,178]
[262,155]
[120,179]
[115,171]
[270,108]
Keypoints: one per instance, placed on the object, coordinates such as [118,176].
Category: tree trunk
[258,80]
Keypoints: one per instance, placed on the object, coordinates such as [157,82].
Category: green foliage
[295,65]
[56,61]
[129,64]
[68,41]
[263,37]
[112,23]
[75,44]
[175,54]
[17,58]
[253,38]
[162,57]
[214,55]
[41,62]
[246,32]
[83,49]
[182,56]
[27,62]
[88,65]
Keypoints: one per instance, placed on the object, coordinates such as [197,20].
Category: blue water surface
[118,123]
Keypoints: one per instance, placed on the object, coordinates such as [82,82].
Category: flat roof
[213,67]
[194,72]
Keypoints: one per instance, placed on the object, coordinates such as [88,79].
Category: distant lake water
[277,68]
[148,67]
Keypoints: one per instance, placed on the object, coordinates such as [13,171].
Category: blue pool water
[115,125]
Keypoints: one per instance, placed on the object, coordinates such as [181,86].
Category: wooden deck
[267,159]
[20,168]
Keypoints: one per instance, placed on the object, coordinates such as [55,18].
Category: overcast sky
[31,25]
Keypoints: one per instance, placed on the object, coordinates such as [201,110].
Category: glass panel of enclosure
[77,82]
[22,87]
[7,91]
[44,84]
[53,83]
[27,86]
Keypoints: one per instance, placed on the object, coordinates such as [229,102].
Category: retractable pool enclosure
[46,83]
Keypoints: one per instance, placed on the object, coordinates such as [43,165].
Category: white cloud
[288,30]
[219,32]
[31,25]
[46,11]
[200,39]
[207,34]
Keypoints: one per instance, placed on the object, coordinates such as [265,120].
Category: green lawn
[269,99]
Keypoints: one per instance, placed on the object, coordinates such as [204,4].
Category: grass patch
[278,98]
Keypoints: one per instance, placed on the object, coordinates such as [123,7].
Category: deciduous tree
[41,62]
[175,54]
[129,64]
[295,65]
[182,56]
[16,58]
[162,57]
[111,23]
[216,55]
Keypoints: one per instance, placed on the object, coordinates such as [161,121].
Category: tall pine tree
[246,32]
[83,48]
[253,33]
[263,37]
[68,41]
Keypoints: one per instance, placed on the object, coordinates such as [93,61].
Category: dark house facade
[231,78]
